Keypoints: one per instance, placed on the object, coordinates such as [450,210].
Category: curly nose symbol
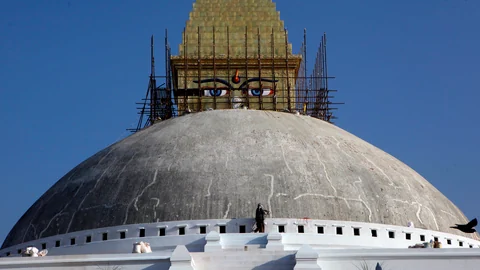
[237,102]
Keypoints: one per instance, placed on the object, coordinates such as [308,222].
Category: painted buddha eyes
[215,93]
[251,92]
[260,92]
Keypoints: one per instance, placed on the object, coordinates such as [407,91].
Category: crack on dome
[208,189]
[406,183]
[341,149]
[43,202]
[272,179]
[173,158]
[154,207]
[383,172]
[284,159]
[420,206]
[337,197]
[359,181]
[135,200]
[228,210]
[89,192]
[123,170]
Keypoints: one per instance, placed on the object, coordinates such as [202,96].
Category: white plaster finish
[347,259]
[89,262]
[400,259]
[256,259]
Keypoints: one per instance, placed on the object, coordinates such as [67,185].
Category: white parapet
[235,234]
[214,242]
[181,259]
[274,241]
[306,259]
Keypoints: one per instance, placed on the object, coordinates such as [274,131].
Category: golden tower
[235,54]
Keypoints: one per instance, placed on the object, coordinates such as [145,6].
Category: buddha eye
[215,93]
[260,92]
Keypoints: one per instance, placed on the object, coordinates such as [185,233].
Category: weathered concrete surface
[220,164]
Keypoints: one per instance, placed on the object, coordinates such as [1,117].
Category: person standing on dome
[260,218]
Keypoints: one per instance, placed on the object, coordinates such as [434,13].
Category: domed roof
[220,164]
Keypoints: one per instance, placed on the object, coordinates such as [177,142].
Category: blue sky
[71,72]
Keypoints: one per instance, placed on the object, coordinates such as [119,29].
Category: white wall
[88,262]
[194,241]
[409,259]
[347,259]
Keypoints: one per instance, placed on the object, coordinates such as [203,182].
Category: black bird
[466,228]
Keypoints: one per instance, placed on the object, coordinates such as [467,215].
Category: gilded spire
[250,17]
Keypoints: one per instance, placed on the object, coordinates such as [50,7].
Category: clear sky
[71,72]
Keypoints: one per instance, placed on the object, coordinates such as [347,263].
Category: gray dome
[220,164]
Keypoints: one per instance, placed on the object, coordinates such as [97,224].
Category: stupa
[236,121]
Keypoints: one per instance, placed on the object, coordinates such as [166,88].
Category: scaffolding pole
[309,94]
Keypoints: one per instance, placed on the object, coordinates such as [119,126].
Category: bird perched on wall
[466,228]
